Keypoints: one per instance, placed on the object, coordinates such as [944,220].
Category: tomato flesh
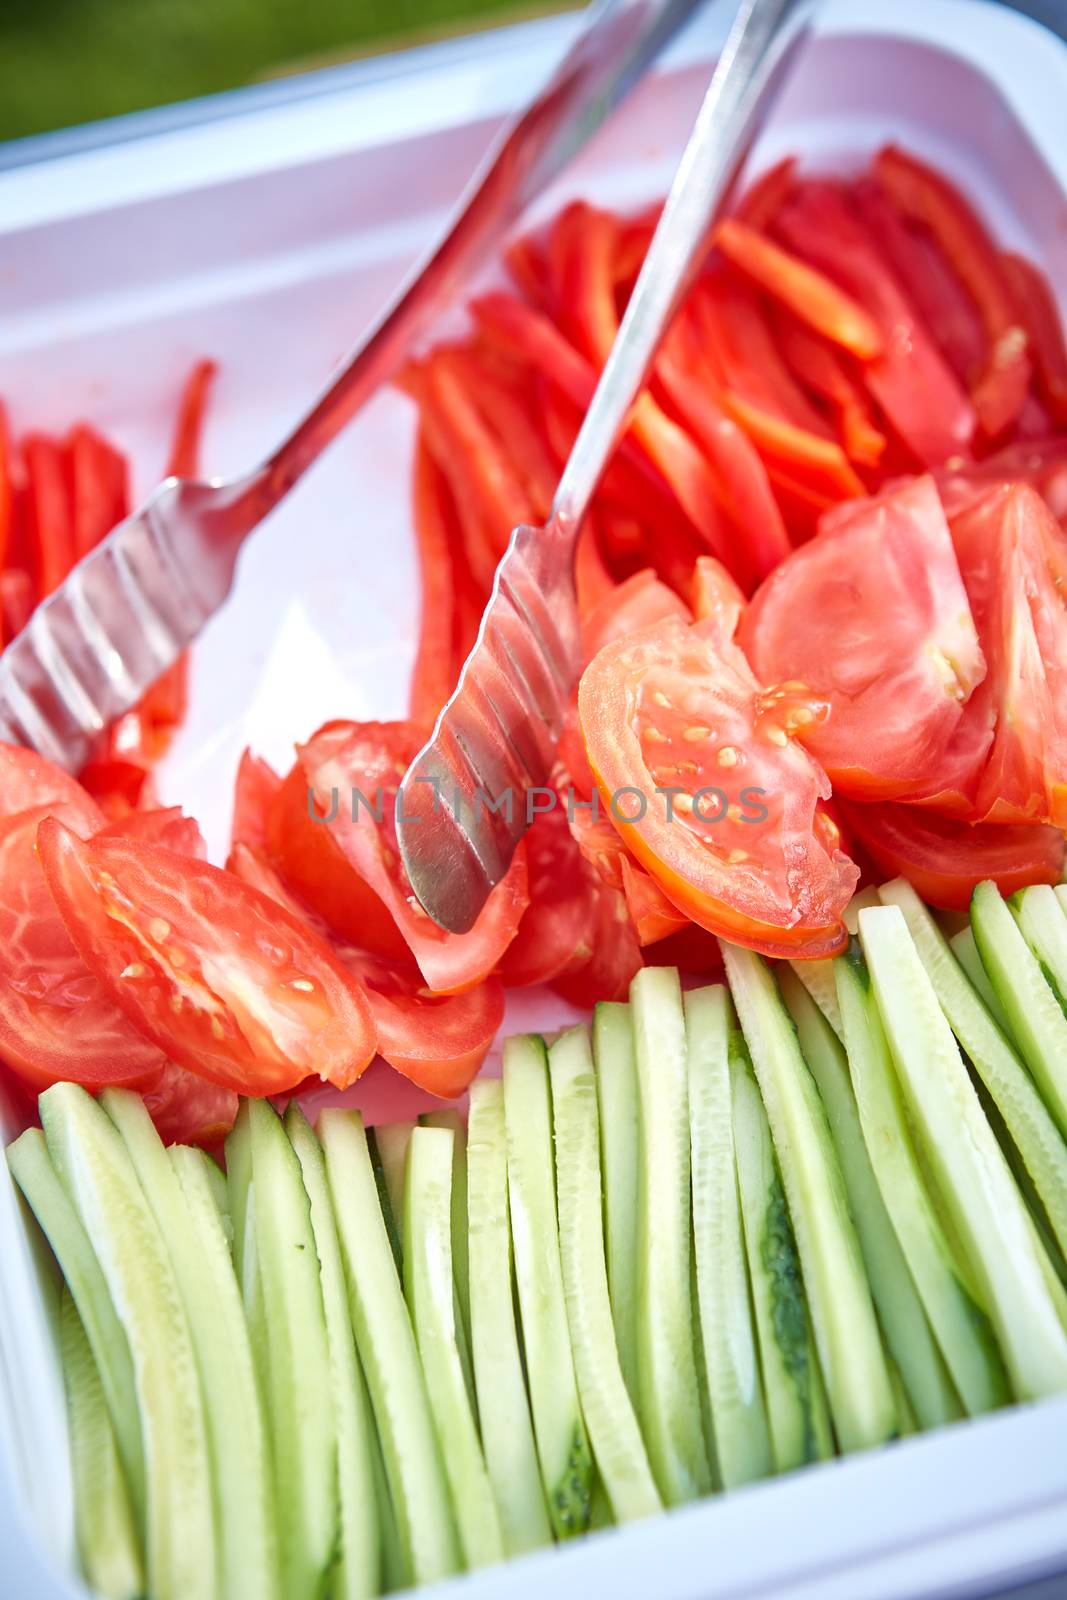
[27,780]
[220,977]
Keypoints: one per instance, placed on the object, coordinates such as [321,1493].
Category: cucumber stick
[965,950]
[907,1332]
[668,1384]
[618,1448]
[108,1545]
[48,1199]
[431,1297]
[562,1445]
[974,1180]
[1040,916]
[731,1359]
[1035,1016]
[507,1430]
[299,1403]
[452,1120]
[359,1556]
[386,1343]
[240,1462]
[389,1141]
[842,1312]
[616,1070]
[960,1323]
[797,1413]
[1011,1088]
[239,1184]
[91,1159]
[818,976]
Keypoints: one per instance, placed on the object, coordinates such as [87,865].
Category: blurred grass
[70,61]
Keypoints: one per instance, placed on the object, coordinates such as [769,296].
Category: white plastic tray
[265,233]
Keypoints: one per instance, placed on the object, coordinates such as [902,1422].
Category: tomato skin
[188,1109]
[652,914]
[765,880]
[945,860]
[873,616]
[553,935]
[57,1021]
[27,779]
[167,827]
[225,981]
[309,858]
[255,789]
[364,763]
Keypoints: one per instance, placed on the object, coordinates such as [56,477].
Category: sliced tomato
[677,708]
[873,617]
[27,779]
[691,949]
[640,600]
[255,789]
[553,936]
[57,1021]
[119,786]
[221,978]
[716,597]
[310,859]
[168,826]
[187,1109]
[1013,556]
[654,916]
[1039,314]
[354,770]
[613,953]
[945,860]
[439,1041]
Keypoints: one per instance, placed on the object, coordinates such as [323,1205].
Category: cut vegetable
[797,1412]
[507,1431]
[728,1338]
[971,1172]
[431,1301]
[618,1448]
[237,1437]
[300,1405]
[390,1357]
[1009,1085]
[669,1394]
[181,1538]
[108,1545]
[1037,1022]
[1044,926]
[452,1120]
[846,1330]
[390,1140]
[943,1281]
[917,1361]
[563,1449]
[620,1140]
[359,1556]
[965,949]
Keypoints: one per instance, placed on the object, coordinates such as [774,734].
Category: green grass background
[70,61]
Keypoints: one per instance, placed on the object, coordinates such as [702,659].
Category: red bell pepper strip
[821,464]
[926,198]
[1039,314]
[741,354]
[805,291]
[819,367]
[7,495]
[508,410]
[911,381]
[592,578]
[525,260]
[50,510]
[16,601]
[761,201]
[100,487]
[432,678]
[184,459]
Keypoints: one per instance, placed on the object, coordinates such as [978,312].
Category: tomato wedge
[945,860]
[254,792]
[364,763]
[722,799]
[57,1021]
[187,1109]
[873,616]
[553,936]
[27,779]
[168,826]
[215,973]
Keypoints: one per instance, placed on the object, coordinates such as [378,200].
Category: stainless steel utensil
[129,608]
[462,808]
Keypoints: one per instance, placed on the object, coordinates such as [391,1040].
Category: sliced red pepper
[6,493]
[740,352]
[100,487]
[51,512]
[432,678]
[805,291]
[510,413]
[184,458]
[928,199]
[592,578]
[16,601]
[1037,309]
[818,464]
[761,201]
[819,367]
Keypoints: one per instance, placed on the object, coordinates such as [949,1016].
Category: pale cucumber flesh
[613,1051]
[1044,927]
[965,950]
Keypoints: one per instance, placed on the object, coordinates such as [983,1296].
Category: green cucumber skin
[108,1546]
[842,1311]
[1037,1140]
[728,1338]
[668,1381]
[244,1510]
[912,1347]
[562,1445]
[613,1051]
[797,1412]
[238,1149]
[965,950]
[48,1199]
[507,1429]
[181,1538]
[386,1342]
[300,1405]
[1037,1021]
[961,1325]
[389,1145]
[452,1120]
[618,1448]
[359,1556]
[974,1180]
[431,1297]
[1044,927]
